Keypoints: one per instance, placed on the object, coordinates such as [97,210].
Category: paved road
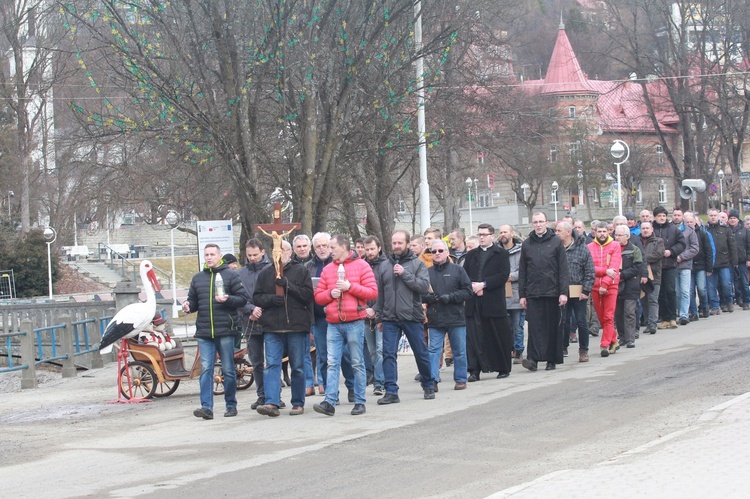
[499,436]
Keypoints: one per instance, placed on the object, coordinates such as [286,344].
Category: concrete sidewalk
[706,459]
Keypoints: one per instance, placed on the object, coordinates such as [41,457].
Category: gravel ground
[11,382]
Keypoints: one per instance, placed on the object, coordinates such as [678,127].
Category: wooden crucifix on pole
[277,231]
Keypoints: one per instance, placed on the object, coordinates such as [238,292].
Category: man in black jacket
[451,287]
[215,327]
[674,244]
[742,238]
[720,282]
[543,285]
[374,334]
[629,288]
[251,330]
[489,331]
[703,266]
[286,322]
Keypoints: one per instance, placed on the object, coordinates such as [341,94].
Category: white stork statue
[131,320]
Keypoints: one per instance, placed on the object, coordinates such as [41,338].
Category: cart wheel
[245,376]
[143,380]
[166,388]
[218,379]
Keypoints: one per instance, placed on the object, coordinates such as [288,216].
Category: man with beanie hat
[742,238]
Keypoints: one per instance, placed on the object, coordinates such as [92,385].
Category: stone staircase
[98,271]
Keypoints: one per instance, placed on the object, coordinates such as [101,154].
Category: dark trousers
[668,295]
[575,314]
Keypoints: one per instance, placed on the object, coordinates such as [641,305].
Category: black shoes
[551,366]
[630,344]
[230,412]
[429,393]
[325,408]
[350,396]
[358,409]
[473,377]
[502,375]
[693,317]
[565,351]
[448,361]
[389,398]
[684,321]
[529,364]
[204,413]
[257,403]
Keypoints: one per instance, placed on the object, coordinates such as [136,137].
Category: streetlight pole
[555,186]
[471,221]
[619,151]
[50,235]
[720,174]
[173,219]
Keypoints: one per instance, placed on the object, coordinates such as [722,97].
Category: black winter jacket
[494,273]
[543,272]
[451,280]
[249,275]
[674,241]
[293,314]
[742,238]
[704,260]
[580,264]
[216,319]
[400,296]
[631,272]
[726,246]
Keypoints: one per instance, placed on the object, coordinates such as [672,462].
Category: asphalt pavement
[65,438]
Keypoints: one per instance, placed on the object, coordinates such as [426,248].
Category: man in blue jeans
[402,280]
[286,320]
[214,327]
[582,274]
[451,287]
[725,259]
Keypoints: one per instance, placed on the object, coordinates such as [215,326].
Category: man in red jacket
[607,257]
[343,290]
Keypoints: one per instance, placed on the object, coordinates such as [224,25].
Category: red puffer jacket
[606,256]
[353,302]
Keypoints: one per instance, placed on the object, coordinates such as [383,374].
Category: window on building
[480,158]
[401,205]
[662,193]
[553,153]
[574,149]
[485,200]
[659,155]
[638,194]
[571,112]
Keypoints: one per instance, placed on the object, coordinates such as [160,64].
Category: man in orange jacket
[605,252]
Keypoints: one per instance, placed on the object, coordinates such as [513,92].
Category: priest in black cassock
[489,335]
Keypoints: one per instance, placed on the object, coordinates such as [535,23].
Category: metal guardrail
[128,266]
[53,344]
[11,367]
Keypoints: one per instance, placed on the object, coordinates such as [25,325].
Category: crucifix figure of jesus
[277,231]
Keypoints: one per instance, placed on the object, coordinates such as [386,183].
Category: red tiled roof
[619,104]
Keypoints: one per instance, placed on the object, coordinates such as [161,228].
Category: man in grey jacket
[402,280]
[684,265]
[517,314]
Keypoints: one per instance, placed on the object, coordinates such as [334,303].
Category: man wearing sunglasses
[451,287]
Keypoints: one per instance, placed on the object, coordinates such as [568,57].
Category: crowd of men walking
[460,301]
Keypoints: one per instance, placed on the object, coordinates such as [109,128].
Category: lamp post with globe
[50,235]
[620,152]
[173,219]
